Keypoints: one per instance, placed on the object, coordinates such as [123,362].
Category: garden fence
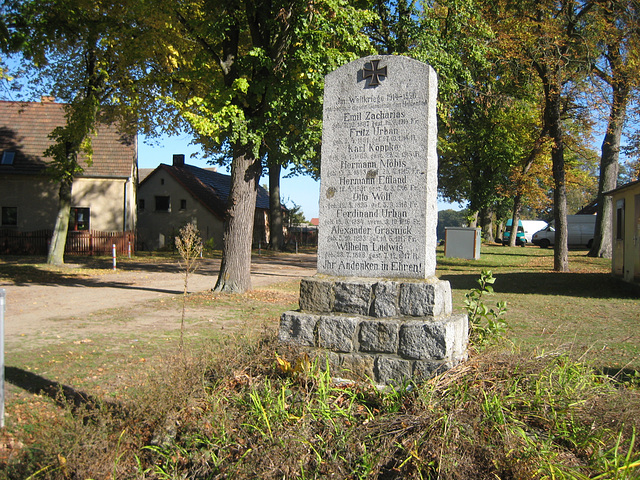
[90,242]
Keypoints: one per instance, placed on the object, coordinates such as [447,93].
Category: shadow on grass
[22,271]
[621,375]
[63,395]
[586,285]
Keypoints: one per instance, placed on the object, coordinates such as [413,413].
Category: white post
[113,250]
[129,249]
[2,304]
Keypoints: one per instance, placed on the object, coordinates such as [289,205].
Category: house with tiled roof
[173,195]
[103,195]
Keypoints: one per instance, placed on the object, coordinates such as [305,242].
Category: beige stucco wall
[626,251]
[156,229]
[111,201]
[36,199]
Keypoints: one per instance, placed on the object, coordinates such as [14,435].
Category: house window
[7,157]
[79,219]
[141,204]
[183,204]
[620,220]
[9,216]
[163,203]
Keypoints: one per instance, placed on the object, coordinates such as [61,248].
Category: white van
[531,227]
[580,230]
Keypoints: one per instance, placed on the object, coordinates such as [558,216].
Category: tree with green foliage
[68,48]
[454,39]
[553,41]
[477,153]
[233,70]
[617,69]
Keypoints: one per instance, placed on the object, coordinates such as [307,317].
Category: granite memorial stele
[375,308]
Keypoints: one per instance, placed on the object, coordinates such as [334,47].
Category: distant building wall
[34,197]
[111,202]
[164,207]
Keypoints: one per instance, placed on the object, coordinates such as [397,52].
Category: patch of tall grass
[239,414]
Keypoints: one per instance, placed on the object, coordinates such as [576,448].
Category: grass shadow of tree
[581,285]
[63,395]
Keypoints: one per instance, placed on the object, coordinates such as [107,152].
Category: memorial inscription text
[374,172]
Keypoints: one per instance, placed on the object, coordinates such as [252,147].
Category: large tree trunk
[235,271]
[55,255]
[515,219]
[487,224]
[552,85]
[561,246]
[551,77]
[275,208]
[473,219]
[609,174]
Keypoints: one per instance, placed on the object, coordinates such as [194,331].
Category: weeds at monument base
[239,415]
[486,325]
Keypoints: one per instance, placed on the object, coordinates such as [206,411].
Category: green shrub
[486,324]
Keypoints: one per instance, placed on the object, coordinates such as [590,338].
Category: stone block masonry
[386,331]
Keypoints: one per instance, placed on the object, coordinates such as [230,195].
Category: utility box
[462,242]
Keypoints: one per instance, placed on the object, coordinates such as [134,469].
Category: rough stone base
[384,330]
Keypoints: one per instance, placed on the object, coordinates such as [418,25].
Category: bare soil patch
[87,301]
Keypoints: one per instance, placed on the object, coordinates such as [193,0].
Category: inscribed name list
[378,191]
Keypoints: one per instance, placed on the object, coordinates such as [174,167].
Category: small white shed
[460,242]
[626,231]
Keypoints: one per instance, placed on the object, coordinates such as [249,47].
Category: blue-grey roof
[209,187]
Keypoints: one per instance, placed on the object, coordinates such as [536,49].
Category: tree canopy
[518,82]
[245,78]
[69,52]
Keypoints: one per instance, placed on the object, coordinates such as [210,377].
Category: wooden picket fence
[78,243]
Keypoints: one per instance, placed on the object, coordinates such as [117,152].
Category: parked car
[531,227]
[580,230]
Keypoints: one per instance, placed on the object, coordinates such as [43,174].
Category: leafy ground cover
[557,398]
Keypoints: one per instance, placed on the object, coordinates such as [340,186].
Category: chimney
[47,99]
[178,160]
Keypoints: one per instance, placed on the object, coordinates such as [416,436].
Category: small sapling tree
[189,245]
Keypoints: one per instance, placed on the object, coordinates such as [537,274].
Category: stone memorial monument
[376,308]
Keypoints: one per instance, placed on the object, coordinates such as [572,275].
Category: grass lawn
[584,311]
[529,408]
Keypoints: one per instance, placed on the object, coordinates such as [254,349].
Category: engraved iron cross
[374,73]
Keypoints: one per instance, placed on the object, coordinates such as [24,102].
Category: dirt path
[34,307]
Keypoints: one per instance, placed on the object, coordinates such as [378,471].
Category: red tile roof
[25,129]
